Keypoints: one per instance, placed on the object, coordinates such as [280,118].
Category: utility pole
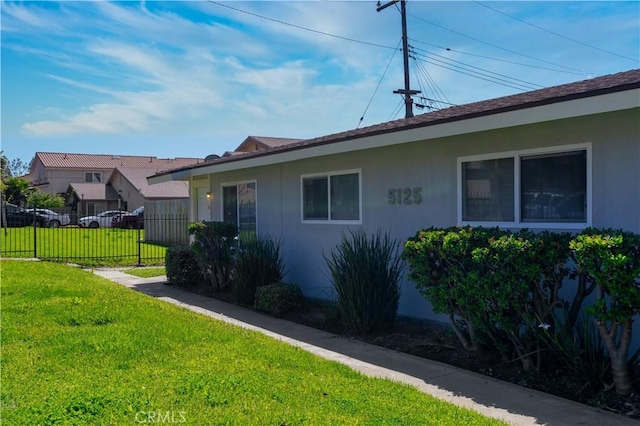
[407,92]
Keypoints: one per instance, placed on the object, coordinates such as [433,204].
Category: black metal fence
[141,242]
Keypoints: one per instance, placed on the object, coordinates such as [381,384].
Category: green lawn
[78,349]
[146,272]
[89,247]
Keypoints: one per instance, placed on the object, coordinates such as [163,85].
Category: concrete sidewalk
[514,404]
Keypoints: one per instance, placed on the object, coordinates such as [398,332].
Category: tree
[44,200]
[612,259]
[16,190]
[18,168]
[12,168]
[4,166]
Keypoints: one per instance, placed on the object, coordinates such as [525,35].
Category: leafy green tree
[612,259]
[44,200]
[4,166]
[16,190]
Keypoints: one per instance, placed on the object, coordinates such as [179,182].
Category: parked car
[54,220]
[101,220]
[17,217]
[132,220]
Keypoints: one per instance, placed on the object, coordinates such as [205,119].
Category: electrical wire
[475,74]
[480,70]
[496,46]
[448,49]
[554,33]
[378,86]
[396,111]
[438,95]
[299,26]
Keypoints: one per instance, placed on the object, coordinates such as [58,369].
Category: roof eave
[568,107]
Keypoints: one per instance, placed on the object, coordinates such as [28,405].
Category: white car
[54,220]
[101,220]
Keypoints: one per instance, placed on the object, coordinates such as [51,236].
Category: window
[239,206]
[527,188]
[92,177]
[331,197]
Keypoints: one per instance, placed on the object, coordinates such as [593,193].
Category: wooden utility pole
[407,92]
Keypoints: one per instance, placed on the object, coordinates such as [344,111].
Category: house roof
[109,161]
[138,178]
[267,142]
[604,85]
[94,191]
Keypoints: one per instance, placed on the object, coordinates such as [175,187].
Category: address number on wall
[405,195]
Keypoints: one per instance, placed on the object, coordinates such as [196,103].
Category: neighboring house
[93,183]
[560,158]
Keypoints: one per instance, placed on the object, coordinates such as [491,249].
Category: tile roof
[138,178]
[582,89]
[94,191]
[108,161]
[273,142]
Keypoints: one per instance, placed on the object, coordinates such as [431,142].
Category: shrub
[365,274]
[258,264]
[579,348]
[504,274]
[213,246]
[279,298]
[443,270]
[612,259]
[182,267]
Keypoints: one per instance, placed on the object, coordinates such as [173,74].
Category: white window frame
[517,156]
[328,175]
[240,182]
[93,176]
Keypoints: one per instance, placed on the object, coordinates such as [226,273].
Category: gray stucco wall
[432,166]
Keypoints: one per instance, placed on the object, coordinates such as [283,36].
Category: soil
[440,344]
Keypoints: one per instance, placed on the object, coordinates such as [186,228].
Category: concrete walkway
[493,398]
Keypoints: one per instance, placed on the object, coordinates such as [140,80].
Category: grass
[87,247]
[147,272]
[78,349]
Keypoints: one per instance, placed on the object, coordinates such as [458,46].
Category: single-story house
[560,158]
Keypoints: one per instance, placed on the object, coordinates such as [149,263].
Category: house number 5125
[405,195]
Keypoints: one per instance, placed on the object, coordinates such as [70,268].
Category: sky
[189,79]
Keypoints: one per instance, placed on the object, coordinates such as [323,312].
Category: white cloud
[139,69]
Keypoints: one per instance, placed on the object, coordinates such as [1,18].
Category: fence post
[35,233]
[139,243]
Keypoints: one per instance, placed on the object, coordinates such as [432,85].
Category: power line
[496,46]
[378,86]
[299,26]
[448,49]
[396,111]
[478,75]
[480,70]
[554,33]
[420,70]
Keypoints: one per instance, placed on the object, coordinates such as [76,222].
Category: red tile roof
[105,161]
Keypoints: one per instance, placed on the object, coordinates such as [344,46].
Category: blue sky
[176,79]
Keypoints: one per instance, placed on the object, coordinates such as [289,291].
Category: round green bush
[279,298]
[182,267]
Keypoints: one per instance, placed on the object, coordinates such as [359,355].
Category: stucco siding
[431,166]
